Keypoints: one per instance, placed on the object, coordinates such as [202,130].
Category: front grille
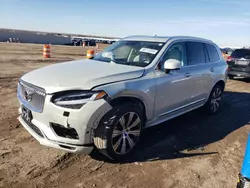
[32,96]
[34,128]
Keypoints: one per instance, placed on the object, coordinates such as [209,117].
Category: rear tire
[212,106]
[119,131]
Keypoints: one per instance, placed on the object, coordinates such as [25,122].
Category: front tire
[214,102]
[119,131]
[231,77]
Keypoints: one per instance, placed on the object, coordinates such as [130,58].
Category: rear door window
[212,53]
[196,53]
[241,53]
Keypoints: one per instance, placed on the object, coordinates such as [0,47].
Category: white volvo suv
[107,101]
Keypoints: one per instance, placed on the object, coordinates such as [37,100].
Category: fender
[142,89]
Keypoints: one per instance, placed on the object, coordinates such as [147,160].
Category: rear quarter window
[212,53]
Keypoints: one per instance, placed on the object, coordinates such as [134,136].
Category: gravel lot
[193,150]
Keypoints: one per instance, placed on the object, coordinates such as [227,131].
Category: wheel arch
[130,99]
[218,82]
[103,135]
[141,91]
[221,83]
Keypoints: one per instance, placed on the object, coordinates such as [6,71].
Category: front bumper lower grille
[34,128]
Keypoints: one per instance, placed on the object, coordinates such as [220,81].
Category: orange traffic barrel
[46,51]
[90,54]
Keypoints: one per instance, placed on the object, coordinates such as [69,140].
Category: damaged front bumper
[66,129]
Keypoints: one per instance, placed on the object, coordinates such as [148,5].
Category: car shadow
[189,134]
[247,80]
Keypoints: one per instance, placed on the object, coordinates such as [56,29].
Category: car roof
[163,38]
[243,49]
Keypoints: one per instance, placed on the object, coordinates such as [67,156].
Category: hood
[81,74]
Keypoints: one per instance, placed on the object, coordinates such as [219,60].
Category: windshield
[134,53]
[241,53]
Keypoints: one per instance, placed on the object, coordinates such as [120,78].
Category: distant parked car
[239,63]
[227,52]
[136,83]
[89,42]
[79,42]
[246,47]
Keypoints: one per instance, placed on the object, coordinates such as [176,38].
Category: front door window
[176,51]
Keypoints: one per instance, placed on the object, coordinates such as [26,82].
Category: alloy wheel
[215,100]
[126,133]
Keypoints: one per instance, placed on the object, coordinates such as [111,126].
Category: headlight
[76,99]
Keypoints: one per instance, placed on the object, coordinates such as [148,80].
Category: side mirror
[171,64]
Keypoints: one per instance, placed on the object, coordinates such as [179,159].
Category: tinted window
[196,53]
[241,53]
[212,53]
[176,51]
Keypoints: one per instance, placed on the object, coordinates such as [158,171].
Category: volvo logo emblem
[28,94]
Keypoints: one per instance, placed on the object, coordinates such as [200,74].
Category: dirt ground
[190,151]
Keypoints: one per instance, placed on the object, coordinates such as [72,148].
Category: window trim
[207,58]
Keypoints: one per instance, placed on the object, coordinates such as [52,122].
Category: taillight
[229,58]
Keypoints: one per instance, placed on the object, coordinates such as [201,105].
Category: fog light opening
[64,132]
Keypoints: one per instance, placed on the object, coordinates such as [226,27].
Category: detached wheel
[119,131]
[231,77]
[213,104]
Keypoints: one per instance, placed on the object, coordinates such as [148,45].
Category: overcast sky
[226,22]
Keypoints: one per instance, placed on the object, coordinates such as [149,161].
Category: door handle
[187,74]
[212,69]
